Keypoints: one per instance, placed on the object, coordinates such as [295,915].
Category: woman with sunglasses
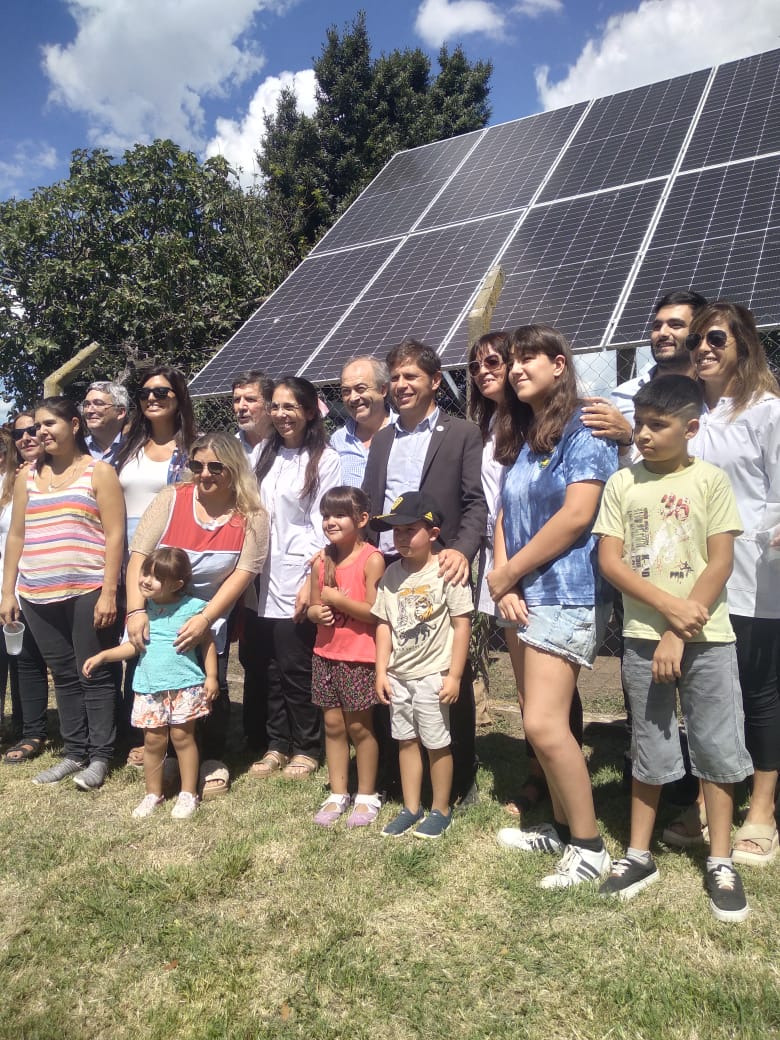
[295,469]
[28,674]
[740,432]
[216,516]
[63,559]
[495,408]
[153,454]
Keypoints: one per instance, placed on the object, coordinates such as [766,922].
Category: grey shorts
[711,702]
[574,633]
[416,713]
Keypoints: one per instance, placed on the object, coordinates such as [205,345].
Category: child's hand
[210,689]
[321,615]
[384,690]
[686,617]
[330,596]
[450,690]
[91,664]
[667,658]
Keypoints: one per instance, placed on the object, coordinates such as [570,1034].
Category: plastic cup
[14,634]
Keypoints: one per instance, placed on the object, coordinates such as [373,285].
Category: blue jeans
[67,635]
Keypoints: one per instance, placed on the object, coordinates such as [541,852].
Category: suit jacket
[451,476]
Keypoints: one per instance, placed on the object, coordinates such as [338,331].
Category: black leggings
[758,659]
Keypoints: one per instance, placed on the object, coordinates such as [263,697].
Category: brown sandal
[300,768]
[270,763]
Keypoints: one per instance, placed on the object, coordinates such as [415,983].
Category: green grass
[247,921]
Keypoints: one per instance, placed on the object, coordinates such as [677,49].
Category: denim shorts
[574,633]
[711,703]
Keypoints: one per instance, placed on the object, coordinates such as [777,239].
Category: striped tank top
[64,552]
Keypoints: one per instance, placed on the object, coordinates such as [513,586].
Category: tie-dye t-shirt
[534,490]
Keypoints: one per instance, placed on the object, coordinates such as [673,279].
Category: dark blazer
[451,476]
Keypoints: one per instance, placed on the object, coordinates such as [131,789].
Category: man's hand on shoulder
[453,567]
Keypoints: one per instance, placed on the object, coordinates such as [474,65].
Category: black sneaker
[727,896]
[628,877]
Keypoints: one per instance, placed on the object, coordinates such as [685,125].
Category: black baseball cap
[408,509]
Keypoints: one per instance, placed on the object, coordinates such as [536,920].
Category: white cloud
[659,40]
[534,8]
[441,20]
[139,69]
[28,161]
[238,140]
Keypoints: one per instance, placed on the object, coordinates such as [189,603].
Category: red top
[349,639]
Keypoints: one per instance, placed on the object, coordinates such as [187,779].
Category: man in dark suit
[428,450]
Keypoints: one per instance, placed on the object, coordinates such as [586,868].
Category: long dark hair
[141,429]
[543,432]
[341,501]
[315,440]
[506,427]
[65,409]
[753,376]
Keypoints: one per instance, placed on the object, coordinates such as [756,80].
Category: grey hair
[115,391]
[381,371]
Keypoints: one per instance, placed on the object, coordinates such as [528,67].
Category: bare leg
[361,733]
[644,807]
[762,805]
[719,800]
[155,746]
[410,761]
[549,688]
[183,739]
[441,778]
[336,749]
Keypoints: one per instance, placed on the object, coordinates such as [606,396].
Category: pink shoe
[372,804]
[334,806]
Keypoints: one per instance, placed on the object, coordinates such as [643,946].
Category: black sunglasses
[159,393]
[216,469]
[490,361]
[716,338]
[28,431]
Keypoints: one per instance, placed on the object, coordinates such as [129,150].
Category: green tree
[157,256]
[367,109]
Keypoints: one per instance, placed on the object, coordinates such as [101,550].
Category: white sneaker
[543,838]
[147,806]
[186,805]
[578,865]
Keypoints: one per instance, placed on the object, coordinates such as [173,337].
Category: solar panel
[720,231]
[628,137]
[592,211]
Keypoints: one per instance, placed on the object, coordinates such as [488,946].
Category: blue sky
[110,73]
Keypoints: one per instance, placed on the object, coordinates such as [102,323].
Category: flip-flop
[691,828]
[26,748]
[214,779]
[135,757]
[764,835]
[270,763]
[300,767]
[523,803]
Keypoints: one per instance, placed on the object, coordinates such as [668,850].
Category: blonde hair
[233,457]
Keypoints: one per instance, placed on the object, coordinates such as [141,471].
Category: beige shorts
[416,713]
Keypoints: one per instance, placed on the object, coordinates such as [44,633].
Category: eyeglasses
[99,406]
[28,431]
[216,469]
[284,409]
[159,393]
[716,338]
[347,391]
[490,361]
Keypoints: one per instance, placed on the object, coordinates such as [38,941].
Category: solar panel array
[592,211]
